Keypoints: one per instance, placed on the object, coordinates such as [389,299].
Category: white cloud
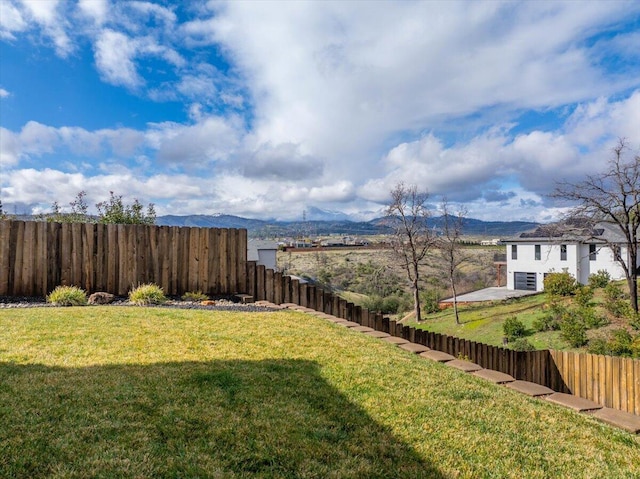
[11,21]
[4,93]
[46,15]
[96,10]
[114,54]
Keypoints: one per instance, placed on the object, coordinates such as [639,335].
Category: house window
[514,251]
[538,253]
[592,252]
[563,252]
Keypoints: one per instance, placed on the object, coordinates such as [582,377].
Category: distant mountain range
[337,225]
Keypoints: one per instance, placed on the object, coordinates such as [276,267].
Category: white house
[263,252]
[532,255]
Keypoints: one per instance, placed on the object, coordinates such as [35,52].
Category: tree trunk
[416,300]
[632,282]
[455,300]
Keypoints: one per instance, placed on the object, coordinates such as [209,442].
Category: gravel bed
[221,304]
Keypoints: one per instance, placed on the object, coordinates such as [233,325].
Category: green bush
[600,279]
[559,284]
[147,294]
[599,346]
[195,296]
[591,317]
[573,330]
[551,320]
[615,301]
[513,328]
[67,296]
[621,342]
[584,295]
[522,344]
[430,301]
[391,304]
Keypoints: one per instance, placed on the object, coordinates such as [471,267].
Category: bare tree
[612,197]
[449,247]
[407,215]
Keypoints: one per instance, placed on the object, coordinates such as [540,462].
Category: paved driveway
[490,294]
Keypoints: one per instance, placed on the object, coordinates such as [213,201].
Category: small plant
[195,296]
[584,295]
[573,330]
[615,301]
[522,344]
[513,328]
[67,296]
[600,279]
[147,294]
[560,284]
[551,320]
[591,317]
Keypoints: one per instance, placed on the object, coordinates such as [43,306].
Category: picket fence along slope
[609,381]
[35,257]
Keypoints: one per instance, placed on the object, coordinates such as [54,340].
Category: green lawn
[116,392]
[482,322]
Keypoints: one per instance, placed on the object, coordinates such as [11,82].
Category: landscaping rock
[101,298]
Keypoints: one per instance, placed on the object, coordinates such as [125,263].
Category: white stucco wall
[577,263]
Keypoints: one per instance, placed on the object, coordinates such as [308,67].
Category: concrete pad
[289,305]
[414,348]
[573,402]
[303,309]
[395,340]
[437,356]
[490,294]
[530,389]
[623,420]
[335,319]
[494,376]
[347,324]
[378,334]
[363,329]
[322,315]
[466,366]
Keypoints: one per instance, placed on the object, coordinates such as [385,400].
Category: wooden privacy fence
[35,257]
[609,381]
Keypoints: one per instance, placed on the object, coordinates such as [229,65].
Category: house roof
[254,245]
[573,232]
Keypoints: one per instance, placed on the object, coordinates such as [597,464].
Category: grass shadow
[228,419]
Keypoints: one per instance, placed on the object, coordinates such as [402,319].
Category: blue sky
[266,109]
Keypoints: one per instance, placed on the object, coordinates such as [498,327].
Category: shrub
[195,296]
[391,304]
[559,284]
[67,296]
[620,343]
[551,320]
[591,317]
[513,328]
[599,346]
[584,295]
[147,294]
[599,279]
[573,330]
[615,301]
[430,300]
[373,303]
[522,344]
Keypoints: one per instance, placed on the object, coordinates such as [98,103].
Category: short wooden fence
[609,381]
[35,257]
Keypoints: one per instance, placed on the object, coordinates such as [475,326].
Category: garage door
[526,281]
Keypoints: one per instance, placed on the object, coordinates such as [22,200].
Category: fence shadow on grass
[271,418]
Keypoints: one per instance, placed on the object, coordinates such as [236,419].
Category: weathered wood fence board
[611,381]
[35,257]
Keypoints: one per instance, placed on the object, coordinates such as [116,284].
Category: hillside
[271,228]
